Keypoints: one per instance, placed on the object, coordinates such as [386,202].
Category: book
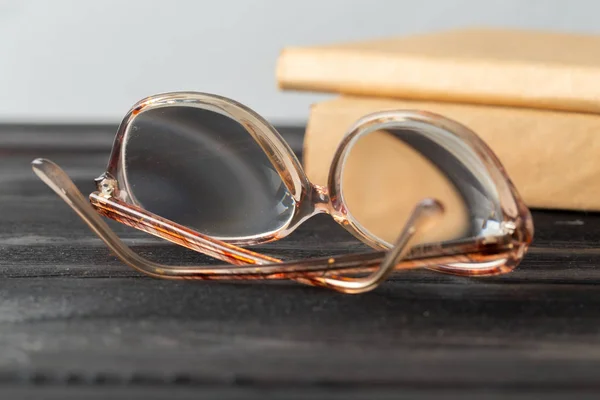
[553,157]
[533,97]
[533,69]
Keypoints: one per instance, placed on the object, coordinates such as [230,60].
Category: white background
[88,61]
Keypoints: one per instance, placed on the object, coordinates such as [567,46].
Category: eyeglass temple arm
[312,271]
[153,224]
[422,218]
[148,222]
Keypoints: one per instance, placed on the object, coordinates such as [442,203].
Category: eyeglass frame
[118,202]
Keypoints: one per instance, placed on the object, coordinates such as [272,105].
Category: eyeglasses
[208,173]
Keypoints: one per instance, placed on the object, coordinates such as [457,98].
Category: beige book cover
[533,69]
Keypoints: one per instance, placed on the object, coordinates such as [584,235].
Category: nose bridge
[320,199]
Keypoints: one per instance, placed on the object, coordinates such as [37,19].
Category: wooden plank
[72,315]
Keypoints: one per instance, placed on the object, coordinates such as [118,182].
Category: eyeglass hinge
[107,185]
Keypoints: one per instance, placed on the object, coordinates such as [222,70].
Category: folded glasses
[208,173]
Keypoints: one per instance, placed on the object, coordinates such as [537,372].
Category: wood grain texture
[74,320]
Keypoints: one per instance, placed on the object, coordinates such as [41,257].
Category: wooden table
[74,320]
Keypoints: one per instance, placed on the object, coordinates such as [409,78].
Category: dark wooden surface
[74,321]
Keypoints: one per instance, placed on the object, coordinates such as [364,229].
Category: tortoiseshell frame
[476,256]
